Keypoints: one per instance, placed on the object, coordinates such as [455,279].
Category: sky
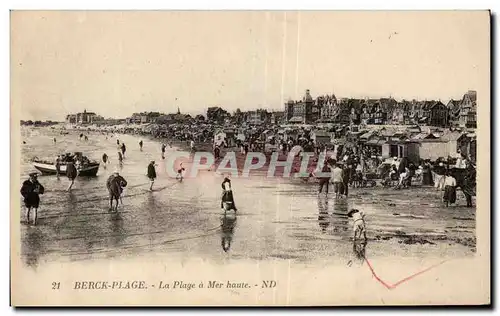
[117,63]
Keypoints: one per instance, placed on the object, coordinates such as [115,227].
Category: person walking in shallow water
[324,180]
[163,146]
[151,174]
[115,185]
[31,190]
[124,149]
[104,160]
[58,166]
[71,173]
[120,158]
[337,180]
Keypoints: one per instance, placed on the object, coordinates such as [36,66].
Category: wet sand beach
[277,218]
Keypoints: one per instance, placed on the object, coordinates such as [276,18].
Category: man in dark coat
[324,179]
[469,184]
[216,152]
[151,174]
[124,149]
[71,173]
[346,176]
[31,190]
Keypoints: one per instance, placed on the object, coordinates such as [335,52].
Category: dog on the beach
[358,224]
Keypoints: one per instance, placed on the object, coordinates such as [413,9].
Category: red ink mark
[393,286]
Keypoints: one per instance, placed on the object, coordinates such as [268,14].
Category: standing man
[71,173]
[469,184]
[337,180]
[163,151]
[124,149]
[192,145]
[216,152]
[151,174]
[120,158]
[58,166]
[140,144]
[324,180]
[346,176]
[31,190]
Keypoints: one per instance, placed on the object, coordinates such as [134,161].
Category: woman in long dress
[427,174]
[450,189]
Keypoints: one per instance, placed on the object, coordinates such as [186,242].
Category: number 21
[56,285]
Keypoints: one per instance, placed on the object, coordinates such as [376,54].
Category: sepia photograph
[250,158]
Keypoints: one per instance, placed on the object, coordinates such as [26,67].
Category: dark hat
[351,212]
[33,174]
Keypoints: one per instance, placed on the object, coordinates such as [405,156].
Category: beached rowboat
[88,170]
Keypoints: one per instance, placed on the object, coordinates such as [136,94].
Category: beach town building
[454,107]
[143,117]
[328,107]
[301,112]
[277,117]
[81,118]
[438,114]
[433,113]
[172,118]
[217,114]
[397,116]
[468,110]
[257,117]
[85,117]
[71,118]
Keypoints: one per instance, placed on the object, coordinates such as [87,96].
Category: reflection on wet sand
[33,246]
[339,216]
[116,228]
[323,217]
[228,223]
[359,248]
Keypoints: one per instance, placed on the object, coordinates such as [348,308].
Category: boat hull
[88,171]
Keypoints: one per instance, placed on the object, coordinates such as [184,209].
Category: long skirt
[427,178]
[450,194]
